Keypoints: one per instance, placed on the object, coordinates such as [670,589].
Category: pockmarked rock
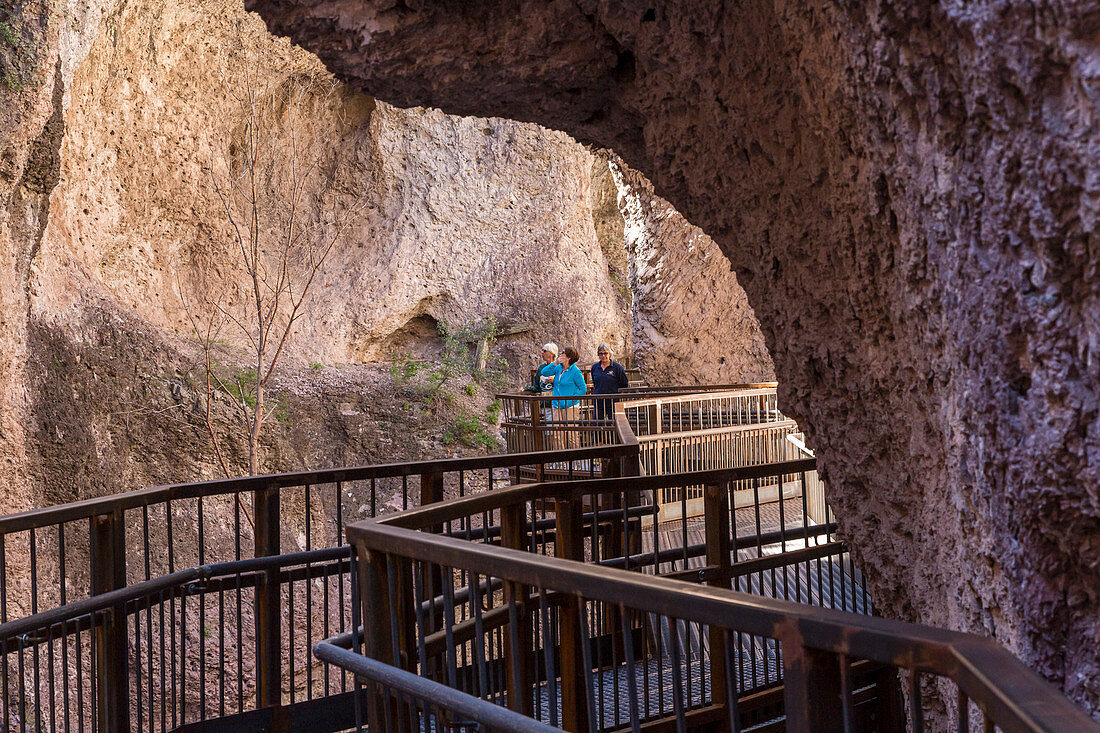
[908,193]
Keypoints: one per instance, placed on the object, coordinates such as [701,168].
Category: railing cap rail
[677,398]
[85,508]
[635,392]
[728,430]
[473,504]
[996,680]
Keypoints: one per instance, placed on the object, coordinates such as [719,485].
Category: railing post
[537,430]
[431,492]
[716,513]
[431,487]
[518,662]
[377,632]
[811,686]
[891,715]
[536,423]
[112,653]
[655,425]
[265,507]
[569,545]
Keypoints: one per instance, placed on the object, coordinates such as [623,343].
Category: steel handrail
[420,688]
[146,588]
[727,430]
[1015,697]
[452,510]
[676,399]
[83,509]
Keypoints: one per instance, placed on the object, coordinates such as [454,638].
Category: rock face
[497,225]
[110,230]
[908,192]
[692,320]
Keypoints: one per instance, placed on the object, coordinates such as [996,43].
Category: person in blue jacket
[569,383]
[608,377]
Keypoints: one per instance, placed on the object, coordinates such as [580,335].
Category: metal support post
[574,692]
[716,511]
[265,507]
[112,653]
[519,663]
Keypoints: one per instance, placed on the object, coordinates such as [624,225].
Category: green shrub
[405,369]
[467,428]
[238,383]
[457,362]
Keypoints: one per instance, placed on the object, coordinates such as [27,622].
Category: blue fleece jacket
[570,382]
[553,369]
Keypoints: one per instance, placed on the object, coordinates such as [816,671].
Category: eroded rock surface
[111,230]
[462,218]
[908,192]
[692,320]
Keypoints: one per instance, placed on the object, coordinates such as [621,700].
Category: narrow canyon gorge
[890,207]
[112,232]
[908,192]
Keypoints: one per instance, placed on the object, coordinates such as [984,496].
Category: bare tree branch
[283,219]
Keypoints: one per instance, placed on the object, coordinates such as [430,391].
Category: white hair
[604,347]
[551,347]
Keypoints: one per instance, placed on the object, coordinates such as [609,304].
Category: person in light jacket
[569,383]
[544,379]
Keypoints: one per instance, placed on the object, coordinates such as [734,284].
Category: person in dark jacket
[608,377]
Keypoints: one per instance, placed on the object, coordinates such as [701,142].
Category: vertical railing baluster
[377,634]
[630,663]
[586,662]
[570,546]
[916,711]
[520,675]
[846,702]
[547,641]
[716,519]
[677,672]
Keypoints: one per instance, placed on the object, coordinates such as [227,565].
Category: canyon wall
[112,117]
[908,192]
[692,320]
[111,232]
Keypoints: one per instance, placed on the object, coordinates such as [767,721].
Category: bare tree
[284,218]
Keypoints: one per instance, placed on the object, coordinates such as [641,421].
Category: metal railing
[165,607]
[715,429]
[720,428]
[183,607]
[558,617]
[530,423]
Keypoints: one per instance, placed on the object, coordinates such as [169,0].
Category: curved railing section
[563,622]
[473,597]
[163,608]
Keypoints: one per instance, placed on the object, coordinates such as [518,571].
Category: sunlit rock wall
[110,230]
[908,192]
[692,320]
[116,237]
